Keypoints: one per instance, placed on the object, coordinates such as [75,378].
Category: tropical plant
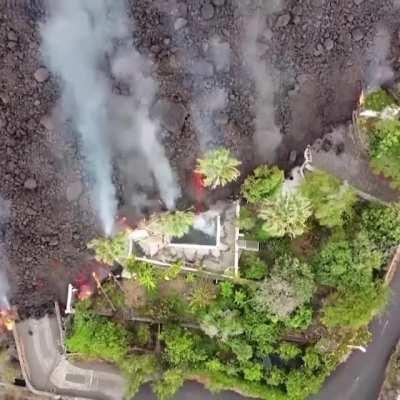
[385,149]
[330,198]
[182,348]
[108,250]
[285,215]
[218,167]
[264,182]
[173,271]
[290,285]
[203,294]
[252,267]
[171,381]
[172,223]
[382,225]
[223,324]
[356,308]
[147,277]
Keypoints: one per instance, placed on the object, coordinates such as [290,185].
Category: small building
[213,243]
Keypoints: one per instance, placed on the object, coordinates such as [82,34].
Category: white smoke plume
[4,286]
[267,136]
[205,111]
[379,70]
[141,131]
[76,38]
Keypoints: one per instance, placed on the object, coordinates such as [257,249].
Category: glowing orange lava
[85,291]
[7,318]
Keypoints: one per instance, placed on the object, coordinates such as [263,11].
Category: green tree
[182,348]
[242,350]
[290,285]
[252,371]
[171,381]
[355,308]
[203,294]
[172,223]
[288,351]
[108,250]
[276,376]
[218,167]
[330,198]
[285,215]
[385,149]
[252,267]
[223,324]
[382,225]
[264,182]
[96,337]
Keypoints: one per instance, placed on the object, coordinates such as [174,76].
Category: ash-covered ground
[261,77]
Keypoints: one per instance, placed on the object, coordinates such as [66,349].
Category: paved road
[48,370]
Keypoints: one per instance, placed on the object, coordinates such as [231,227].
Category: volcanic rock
[41,75]
[357,34]
[180,23]
[329,44]
[74,190]
[207,11]
[47,123]
[283,21]
[218,3]
[30,184]
[171,115]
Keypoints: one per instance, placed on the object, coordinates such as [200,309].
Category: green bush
[252,267]
[382,225]
[172,223]
[97,337]
[285,215]
[247,219]
[290,285]
[108,250]
[331,199]
[143,334]
[264,182]
[378,100]
[171,381]
[355,308]
[288,351]
[385,149]
[218,167]
[182,348]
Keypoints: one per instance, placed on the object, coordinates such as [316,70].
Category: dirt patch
[316,46]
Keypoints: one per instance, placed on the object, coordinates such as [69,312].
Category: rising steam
[82,38]
[267,136]
[4,286]
[76,39]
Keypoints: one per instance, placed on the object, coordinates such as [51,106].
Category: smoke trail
[141,130]
[379,70]
[4,286]
[76,39]
[267,136]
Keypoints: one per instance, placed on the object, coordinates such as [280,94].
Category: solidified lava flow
[314,54]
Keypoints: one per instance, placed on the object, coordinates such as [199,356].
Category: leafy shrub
[264,182]
[247,219]
[173,271]
[347,264]
[385,149]
[142,334]
[147,277]
[242,350]
[300,319]
[252,267]
[354,308]
[96,337]
[382,225]
[204,293]
[378,100]
[312,359]
[288,351]
[285,215]
[171,381]
[253,372]
[290,285]
[172,223]
[331,199]
[223,324]
[218,168]
[182,348]
[108,250]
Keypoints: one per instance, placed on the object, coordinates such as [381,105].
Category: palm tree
[108,250]
[285,215]
[172,223]
[218,167]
